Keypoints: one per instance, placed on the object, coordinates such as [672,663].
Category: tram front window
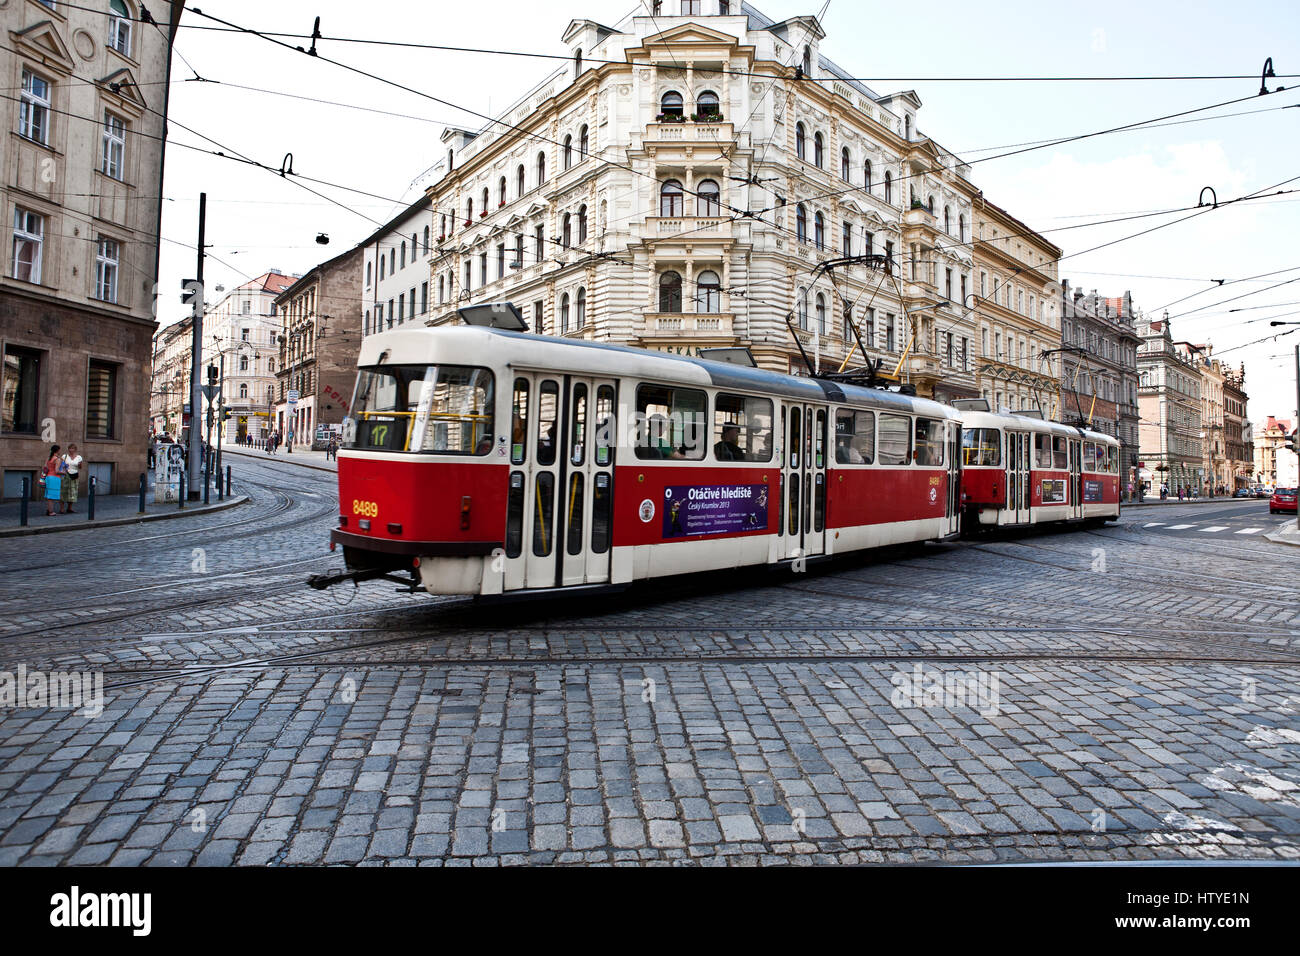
[428,409]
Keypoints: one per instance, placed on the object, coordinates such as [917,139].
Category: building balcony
[671,134]
[687,228]
[678,325]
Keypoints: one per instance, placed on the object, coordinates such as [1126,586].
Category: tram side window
[1060,454]
[1112,460]
[605,425]
[1042,451]
[671,422]
[519,422]
[981,447]
[855,437]
[1089,456]
[548,413]
[894,440]
[929,442]
[742,428]
[1099,457]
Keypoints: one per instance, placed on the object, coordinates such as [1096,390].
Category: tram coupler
[322,581]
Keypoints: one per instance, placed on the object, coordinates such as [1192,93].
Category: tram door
[1076,479]
[954,477]
[803,477]
[1018,476]
[559,509]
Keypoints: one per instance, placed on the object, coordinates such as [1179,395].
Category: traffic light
[212,374]
[1292,443]
[226,412]
[190,290]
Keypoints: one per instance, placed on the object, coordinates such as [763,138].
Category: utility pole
[196,444]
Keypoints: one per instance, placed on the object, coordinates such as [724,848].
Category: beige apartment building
[1015,302]
[242,332]
[1236,428]
[82,177]
[1169,400]
[1275,465]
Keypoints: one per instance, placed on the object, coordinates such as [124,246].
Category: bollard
[183,489]
[207,485]
[90,503]
[227,481]
[22,503]
[143,485]
[220,486]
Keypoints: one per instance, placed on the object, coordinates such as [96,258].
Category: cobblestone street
[1126,692]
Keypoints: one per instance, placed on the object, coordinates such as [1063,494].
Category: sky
[258,220]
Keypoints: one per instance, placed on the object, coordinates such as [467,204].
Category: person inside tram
[845,452]
[661,444]
[728,449]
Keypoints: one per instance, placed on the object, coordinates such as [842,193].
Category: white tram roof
[972,419]
[471,345]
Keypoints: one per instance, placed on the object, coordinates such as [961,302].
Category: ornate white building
[678,184]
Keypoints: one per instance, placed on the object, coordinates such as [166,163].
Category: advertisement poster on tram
[691,510]
[1053,491]
[1091,490]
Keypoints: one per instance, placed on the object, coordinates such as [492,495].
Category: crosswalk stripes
[1250,531]
[1209,529]
[1180,527]
[1217,527]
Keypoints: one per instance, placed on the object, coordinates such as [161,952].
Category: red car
[1283,500]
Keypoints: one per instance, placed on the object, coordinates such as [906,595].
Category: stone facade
[1236,429]
[172,347]
[82,176]
[242,333]
[1169,400]
[396,287]
[1275,465]
[319,343]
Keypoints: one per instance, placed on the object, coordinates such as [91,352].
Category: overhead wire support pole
[196,354]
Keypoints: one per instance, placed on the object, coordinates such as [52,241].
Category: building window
[801,223]
[469,276]
[111,162]
[670,106]
[889,333]
[568,151]
[889,187]
[119,27]
[392,314]
[708,199]
[403,265]
[670,198]
[670,292]
[392,261]
[800,141]
[519,180]
[29,244]
[20,389]
[383,260]
[541,168]
[708,292]
[807,61]
[101,401]
[947,220]
[868,243]
[518,262]
[866,175]
[501,260]
[583,142]
[706,107]
[846,239]
[564,314]
[690,8]
[426,240]
[801,307]
[243,390]
[582,224]
[907,128]
[961,227]
[34,109]
[577,62]
[566,231]
[845,166]
[889,257]
[368,265]
[821,314]
[819,157]
[243,363]
[482,268]
[580,309]
[106,262]
[401,308]
[539,317]
[539,242]
[819,230]
[442,289]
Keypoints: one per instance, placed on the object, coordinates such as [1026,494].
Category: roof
[273,282]
[388,227]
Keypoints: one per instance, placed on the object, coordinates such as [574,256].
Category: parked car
[1283,500]
[1261,491]
[1243,493]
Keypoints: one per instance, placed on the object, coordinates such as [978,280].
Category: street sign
[210,392]
[293,395]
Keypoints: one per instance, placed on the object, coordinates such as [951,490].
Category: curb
[133,519]
[1282,536]
[286,460]
[1191,501]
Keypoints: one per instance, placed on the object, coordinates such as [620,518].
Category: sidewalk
[1286,533]
[300,456]
[1149,502]
[109,510]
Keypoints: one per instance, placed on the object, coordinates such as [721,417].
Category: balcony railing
[678,324]
[707,227]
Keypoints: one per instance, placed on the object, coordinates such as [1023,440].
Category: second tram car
[1018,470]
[482,461]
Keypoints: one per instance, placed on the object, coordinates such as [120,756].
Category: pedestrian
[50,475]
[71,473]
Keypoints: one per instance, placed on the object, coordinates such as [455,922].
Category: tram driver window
[981,447]
[670,423]
[855,437]
[1112,460]
[1060,457]
[742,428]
[929,443]
[1042,451]
[894,440]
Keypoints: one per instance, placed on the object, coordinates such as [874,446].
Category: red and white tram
[1018,470]
[482,461]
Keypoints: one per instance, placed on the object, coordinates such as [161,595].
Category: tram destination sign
[691,510]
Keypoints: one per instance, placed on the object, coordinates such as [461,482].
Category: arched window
[670,198]
[451,155]
[564,313]
[929,204]
[889,187]
[403,253]
[469,212]
[582,224]
[821,314]
[119,27]
[368,272]
[583,142]
[801,223]
[706,106]
[800,141]
[670,292]
[819,157]
[501,191]
[519,180]
[961,227]
[577,61]
[866,174]
[801,305]
[243,390]
[486,200]
[807,61]
[568,151]
[708,199]
[541,168]
[819,231]
[382,260]
[566,233]
[426,240]
[907,128]
[580,312]
[845,164]
[708,292]
[947,220]
[670,106]
[243,363]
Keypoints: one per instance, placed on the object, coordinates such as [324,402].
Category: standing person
[71,474]
[50,479]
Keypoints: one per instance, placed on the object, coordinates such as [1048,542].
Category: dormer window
[670,107]
[807,61]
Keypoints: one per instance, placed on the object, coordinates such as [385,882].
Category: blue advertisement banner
[1091,490]
[714,509]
